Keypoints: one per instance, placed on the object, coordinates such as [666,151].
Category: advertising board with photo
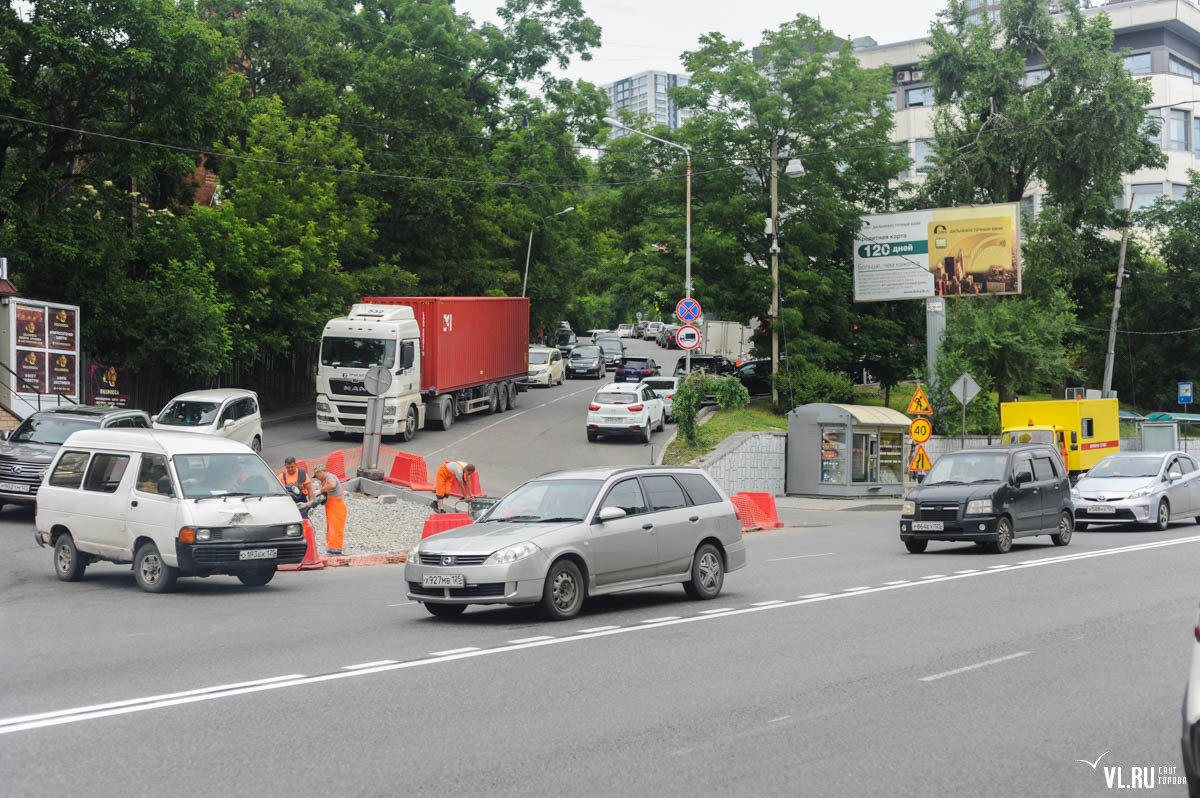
[967,251]
[44,351]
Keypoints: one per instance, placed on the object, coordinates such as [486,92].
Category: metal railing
[32,389]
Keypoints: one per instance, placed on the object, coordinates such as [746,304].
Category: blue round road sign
[688,309]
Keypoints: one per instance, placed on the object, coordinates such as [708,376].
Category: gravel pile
[373,527]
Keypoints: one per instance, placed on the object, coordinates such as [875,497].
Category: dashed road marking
[660,620]
[597,629]
[453,651]
[766,603]
[717,611]
[368,664]
[855,589]
[898,582]
[535,639]
[814,595]
[934,576]
[968,571]
[974,667]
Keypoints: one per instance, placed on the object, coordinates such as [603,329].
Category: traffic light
[764,324]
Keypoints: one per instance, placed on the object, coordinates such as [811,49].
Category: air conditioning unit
[903,77]
[917,75]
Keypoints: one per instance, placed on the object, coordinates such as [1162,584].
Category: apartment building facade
[646,93]
[1163,42]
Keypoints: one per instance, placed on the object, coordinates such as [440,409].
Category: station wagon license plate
[14,487]
[1102,509]
[257,554]
[927,526]
[442,580]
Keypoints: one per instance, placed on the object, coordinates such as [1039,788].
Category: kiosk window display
[845,450]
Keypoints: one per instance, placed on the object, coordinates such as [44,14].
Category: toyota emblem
[1101,498]
[447,561]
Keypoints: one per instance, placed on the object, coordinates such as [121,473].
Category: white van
[171,503]
[227,412]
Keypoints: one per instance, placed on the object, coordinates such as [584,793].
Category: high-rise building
[1163,42]
[646,93]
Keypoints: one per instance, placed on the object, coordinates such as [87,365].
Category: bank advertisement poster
[110,386]
[972,250]
[31,371]
[63,370]
[31,325]
[62,329]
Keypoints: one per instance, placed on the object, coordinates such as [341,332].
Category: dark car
[756,375]
[613,349]
[584,361]
[27,451]
[667,337]
[718,365]
[635,368]
[989,497]
[565,340]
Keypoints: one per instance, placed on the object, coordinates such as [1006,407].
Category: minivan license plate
[927,526]
[442,580]
[257,554]
[14,487]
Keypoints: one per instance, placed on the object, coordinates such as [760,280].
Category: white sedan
[545,367]
[627,410]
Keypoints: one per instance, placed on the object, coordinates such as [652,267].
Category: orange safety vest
[301,478]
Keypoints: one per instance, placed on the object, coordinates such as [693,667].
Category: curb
[704,415]
[395,558]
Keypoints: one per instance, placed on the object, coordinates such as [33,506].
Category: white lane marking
[24,723]
[854,589]
[147,699]
[898,582]
[369,664]
[998,567]
[404,604]
[799,557]
[660,620]
[597,629]
[508,417]
[968,571]
[716,611]
[537,639]
[974,667]
[781,717]
[933,576]
[451,651]
[814,595]
[766,603]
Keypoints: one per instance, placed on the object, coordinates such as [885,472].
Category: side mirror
[227,424]
[611,514]
[1174,475]
[408,355]
[920,477]
[1022,478]
[154,418]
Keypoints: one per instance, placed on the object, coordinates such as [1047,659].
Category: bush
[691,394]
[808,383]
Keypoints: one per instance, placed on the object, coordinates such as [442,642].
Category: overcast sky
[650,34]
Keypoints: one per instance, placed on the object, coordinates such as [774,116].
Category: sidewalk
[889,503]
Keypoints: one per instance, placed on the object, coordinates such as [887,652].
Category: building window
[1178,130]
[1138,64]
[919,97]
[1034,76]
[924,154]
[1028,210]
[1154,134]
[891,101]
[1179,191]
[1178,66]
[1144,194]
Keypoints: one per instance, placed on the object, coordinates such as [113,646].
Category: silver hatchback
[1153,488]
[564,536]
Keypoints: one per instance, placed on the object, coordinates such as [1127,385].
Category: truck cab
[1084,431]
[370,336]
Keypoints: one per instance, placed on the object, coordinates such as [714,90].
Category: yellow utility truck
[1084,431]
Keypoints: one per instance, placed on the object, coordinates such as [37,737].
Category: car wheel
[708,574]
[256,445]
[662,422]
[1164,516]
[409,431]
[592,435]
[915,546]
[1081,526]
[152,574]
[68,562]
[1065,528]
[257,577]
[1004,537]
[646,432]
[562,597]
[445,610]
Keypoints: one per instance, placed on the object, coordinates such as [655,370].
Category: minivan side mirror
[1022,478]
[6,434]
[611,514]
[228,423]
[154,418]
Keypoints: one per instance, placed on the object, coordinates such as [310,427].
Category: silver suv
[571,534]
[27,451]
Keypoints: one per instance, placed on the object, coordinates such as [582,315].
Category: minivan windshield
[49,430]
[585,353]
[966,468]
[1127,467]
[538,358]
[189,414]
[546,500]
[358,353]
[212,475]
[610,346]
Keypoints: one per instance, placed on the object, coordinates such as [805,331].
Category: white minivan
[227,412]
[171,503]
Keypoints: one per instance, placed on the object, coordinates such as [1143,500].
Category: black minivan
[989,497]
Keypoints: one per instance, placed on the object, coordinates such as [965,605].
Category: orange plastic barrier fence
[748,512]
[476,490]
[440,522]
[765,503]
[410,471]
[336,463]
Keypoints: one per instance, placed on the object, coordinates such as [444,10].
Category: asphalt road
[544,432]
[834,664]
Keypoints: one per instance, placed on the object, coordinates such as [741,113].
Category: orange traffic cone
[311,561]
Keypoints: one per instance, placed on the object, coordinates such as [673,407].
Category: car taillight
[593,406]
[670,396]
[635,408]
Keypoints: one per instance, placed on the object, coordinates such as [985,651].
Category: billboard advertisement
[971,250]
[110,386]
[44,351]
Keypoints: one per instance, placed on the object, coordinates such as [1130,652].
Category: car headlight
[908,508]
[510,554]
[1075,494]
[979,507]
[1142,493]
[389,410]
[292,531]
[414,553]
[203,534]
[322,407]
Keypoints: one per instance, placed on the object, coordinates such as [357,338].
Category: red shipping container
[469,340]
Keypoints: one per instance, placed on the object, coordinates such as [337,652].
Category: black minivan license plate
[928,526]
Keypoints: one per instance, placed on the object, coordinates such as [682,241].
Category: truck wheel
[447,407]
[512,396]
[409,431]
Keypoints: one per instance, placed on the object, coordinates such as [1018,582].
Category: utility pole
[1106,388]
[774,266]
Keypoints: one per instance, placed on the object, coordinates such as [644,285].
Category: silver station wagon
[571,534]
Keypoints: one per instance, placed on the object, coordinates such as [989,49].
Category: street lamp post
[687,256]
[792,168]
[529,249]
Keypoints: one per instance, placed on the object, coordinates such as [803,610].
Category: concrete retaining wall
[749,461]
